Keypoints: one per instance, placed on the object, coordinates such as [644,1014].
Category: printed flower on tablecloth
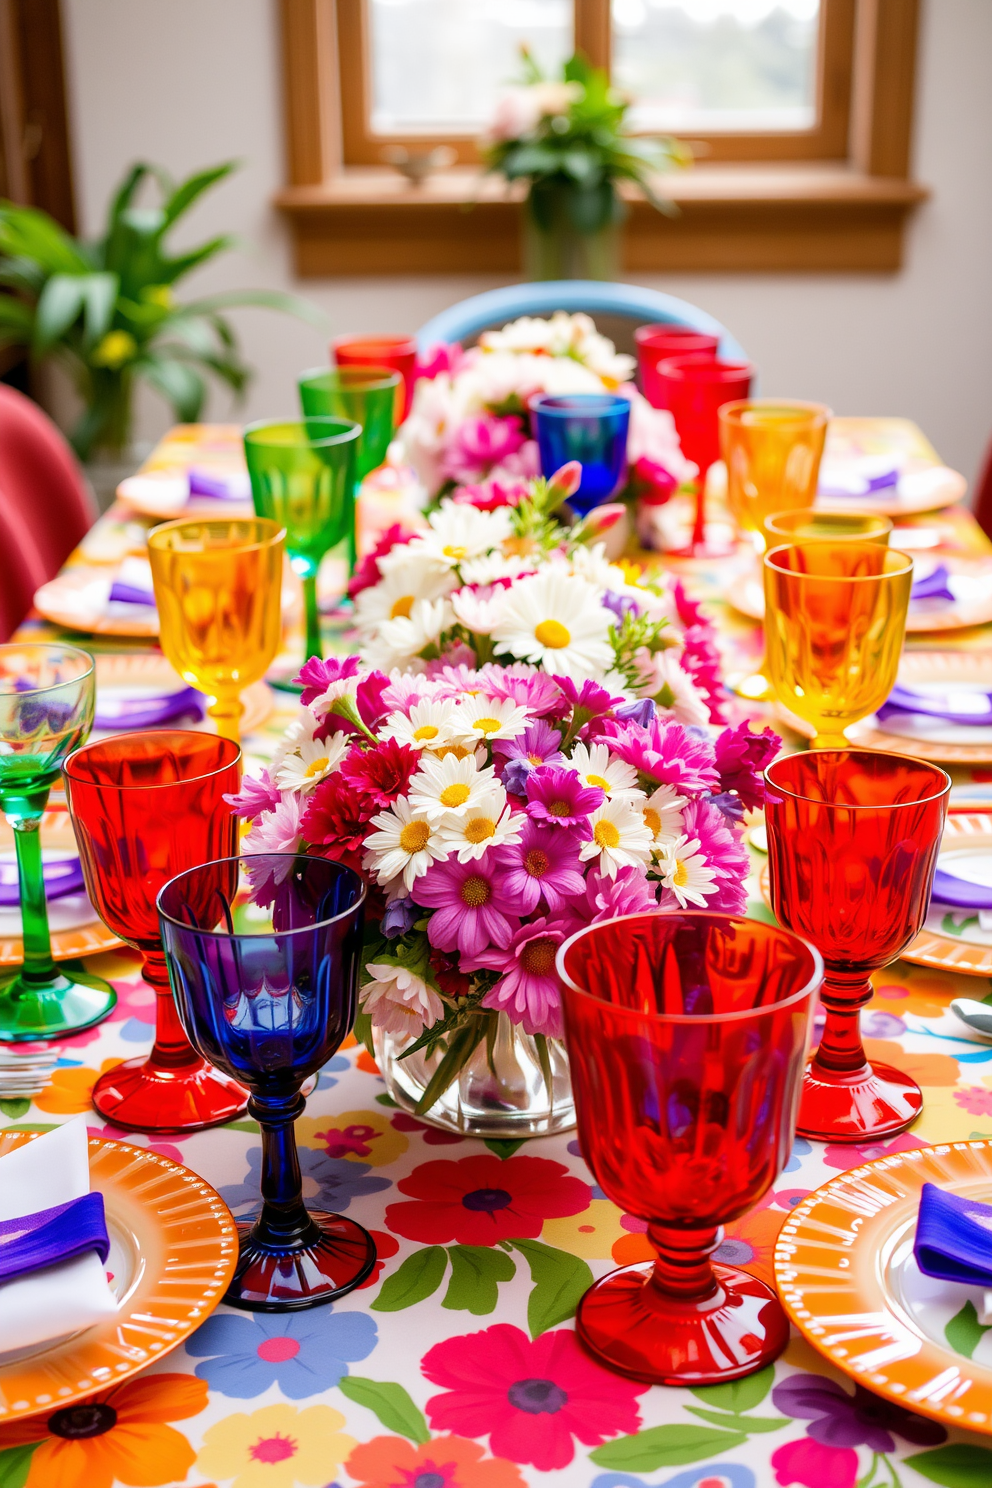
[812,1465]
[591,1233]
[302,1353]
[385,1248]
[118,1436]
[432,1135]
[709,1475]
[481,1200]
[839,1422]
[276,1447]
[328,1182]
[750,1242]
[357,1136]
[926,1069]
[443,1462]
[845,1156]
[975,1099]
[70,1090]
[532,1398]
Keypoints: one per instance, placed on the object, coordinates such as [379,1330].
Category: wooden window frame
[835,197]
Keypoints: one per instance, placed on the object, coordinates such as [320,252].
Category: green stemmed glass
[303,475]
[367,395]
[47,697]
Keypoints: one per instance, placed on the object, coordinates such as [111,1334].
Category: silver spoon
[977,1015]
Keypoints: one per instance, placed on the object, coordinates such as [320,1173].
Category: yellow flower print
[276,1447]
[360,1136]
[591,1234]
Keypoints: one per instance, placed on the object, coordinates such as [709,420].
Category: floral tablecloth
[455,1365]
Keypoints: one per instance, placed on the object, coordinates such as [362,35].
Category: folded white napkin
[61,1300]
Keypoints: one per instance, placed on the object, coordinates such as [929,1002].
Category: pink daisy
[544,862]
[589,697]
[523,684]
[316,676]
[741,756]
[472,909]
[278,830]
[723,853]
[452,681]
[258,793]
[559,798]
[665,752]
[528,989]
[404,689]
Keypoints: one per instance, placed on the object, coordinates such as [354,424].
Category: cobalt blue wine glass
[590,428]
[265,983]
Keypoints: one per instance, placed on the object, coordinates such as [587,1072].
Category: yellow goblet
[835,617]
[801,526]
[217,588]
[772,451]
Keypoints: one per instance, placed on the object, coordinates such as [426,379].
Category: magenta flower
[543,863]
[472,909]
[559,798]
[741,755]
[525,685]
[368,572]
[606,898]
[589,697]
[724,853]
[443,356]
[316,676]
[837,1419]
[700,659]
[528,989]
[491,493]
[539,744]
[479,444]
[533,1399]
[812,1465]
[665,752]
[258,793]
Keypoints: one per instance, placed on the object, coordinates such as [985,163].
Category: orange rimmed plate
[845,1272]
[173,1247]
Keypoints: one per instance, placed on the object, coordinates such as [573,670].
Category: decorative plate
[173,1246]
[164,493]
[76,599]
[149,673]
[924,483]
[969,580]
[76,928]
[845,1272]
[928,488]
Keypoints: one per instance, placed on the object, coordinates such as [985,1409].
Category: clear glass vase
[507,1097]
[571,234]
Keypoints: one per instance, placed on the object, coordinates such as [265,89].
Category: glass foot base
[874,1101]
[70,1002]
[141,1096]
[711,548]
[270,1279]
[754,686]
[636,1329]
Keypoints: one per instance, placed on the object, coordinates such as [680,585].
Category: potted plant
[568,140]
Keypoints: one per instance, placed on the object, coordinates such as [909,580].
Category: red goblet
[656,343]
[853,837]
[687,1036]
[695,388]
[146,806]
[398,353]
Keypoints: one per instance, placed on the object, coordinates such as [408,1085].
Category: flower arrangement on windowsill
[515,749]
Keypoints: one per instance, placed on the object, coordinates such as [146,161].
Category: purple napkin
[934,586]
[146,712]
[61,878]
[883,482]
[131,594]
[52,1236]
[954,1238]
[960,892]
[935,705]
[233,487]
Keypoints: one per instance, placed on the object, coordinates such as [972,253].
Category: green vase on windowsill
[571,233]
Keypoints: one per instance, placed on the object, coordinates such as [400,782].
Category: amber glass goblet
[687,1036]
[835,618]
[772,450]
[853,837]
[144,807]
[801,525]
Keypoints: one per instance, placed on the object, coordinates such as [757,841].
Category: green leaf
[363,1033]
[387,1401]
[418,1277]
[100,297]
[475,1273]
[964,1332]
[14,1109]
[504,1146]
[740,1423]
[185,195]
[184,263]
[666,1446]
[560,1281]
[179,385]
[15,1464]
[27,232]
[387,1100]
[957,1466]
[739,1395]
[59,305]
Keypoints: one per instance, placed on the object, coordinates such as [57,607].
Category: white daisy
[620,837]
[310,761]
[556,620]
[484,718]
[448,785]
[590,562]
[397,591]
[460,531]
[686,872]
[663,815]
[404,846]
[426,726]
[485,824]
[495,566]
[398,1000]
[597,766]
[398,643]
[478,612]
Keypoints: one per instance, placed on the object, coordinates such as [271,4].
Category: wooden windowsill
[731,217]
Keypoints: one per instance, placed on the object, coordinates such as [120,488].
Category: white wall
[187,83]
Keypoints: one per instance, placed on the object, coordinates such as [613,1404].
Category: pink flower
[452,681]
[368,572]
[539,744]
[566,480]
[813,1465]
[741,756]
[544,863]
[480,443]
[472,909]
[975,1100]
[444,356]
[316,676]
[655,483]
[666,752]
[258,793]
[588,697]
[404,690]
[533,1399]
[528,989]
[523,684]
[606,898]
[723,853]
[278,830]
[559,798]
[381,774]
[491,493]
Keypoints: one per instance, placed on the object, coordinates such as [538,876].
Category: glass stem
[682,1267]
[226,714]
[284,1222]
[699,526]
[351,536]
[841,1050]
[830,741]
[38,964]
[313,641]
[171,1050]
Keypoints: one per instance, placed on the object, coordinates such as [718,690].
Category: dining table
[455,1364]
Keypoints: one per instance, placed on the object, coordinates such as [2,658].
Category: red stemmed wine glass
[687,1036]
[695,388]
[853,837]
[144,807]
[656,343]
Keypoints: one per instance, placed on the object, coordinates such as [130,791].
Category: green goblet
[47,698]
[303,475]
[366,395]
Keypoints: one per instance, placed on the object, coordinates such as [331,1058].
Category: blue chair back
[616,308]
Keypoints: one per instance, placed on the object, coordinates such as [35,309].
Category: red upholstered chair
[982,503]
[45,507]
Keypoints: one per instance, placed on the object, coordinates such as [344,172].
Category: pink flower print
[813,1465]
[975,1099]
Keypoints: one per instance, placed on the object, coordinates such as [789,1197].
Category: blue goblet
[590,428]
[265,985]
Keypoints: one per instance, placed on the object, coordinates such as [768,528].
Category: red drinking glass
[695,388]
[398,353]
[144,807]
[656,343]
[853,837]
[687,1036]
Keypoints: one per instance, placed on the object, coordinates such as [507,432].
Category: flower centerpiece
[515,750]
